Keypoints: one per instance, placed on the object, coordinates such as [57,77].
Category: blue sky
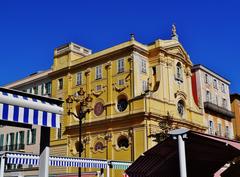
[208,29]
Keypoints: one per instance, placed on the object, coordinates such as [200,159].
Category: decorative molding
[120,88]
[108,65]
[87,72]
[180,93]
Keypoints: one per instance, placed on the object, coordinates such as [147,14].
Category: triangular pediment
[178,50]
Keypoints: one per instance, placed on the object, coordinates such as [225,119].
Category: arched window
[99,146]
[179,71]
[180,107]
[123,142]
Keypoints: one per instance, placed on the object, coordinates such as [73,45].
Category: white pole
[182,157]
[108,169]
[2,166]
[44,163]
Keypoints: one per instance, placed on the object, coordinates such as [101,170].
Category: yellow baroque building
[133,87]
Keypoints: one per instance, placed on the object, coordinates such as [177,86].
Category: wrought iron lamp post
[82,108]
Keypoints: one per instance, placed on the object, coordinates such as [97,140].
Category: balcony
[14,147]
[219,110]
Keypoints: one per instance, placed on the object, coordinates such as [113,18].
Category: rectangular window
[219,129]
[223,87]
[79,78]
[42,89]
[60,84]
[35,90]
[1,142]
[98,87]
[48,88]
[208,96]
[11,143]
[120,65]
[227,134]
[215,83]
[144,66]
[206,78]
[121,82]
[21,144]
[224,103]
[31,136]
[17,141]
[59,133]
[144,86]
[216,100]
[98,72]
[210,127]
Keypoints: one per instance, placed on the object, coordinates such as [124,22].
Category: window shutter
[1,140]
[22,137]
[33,136]
[28,135]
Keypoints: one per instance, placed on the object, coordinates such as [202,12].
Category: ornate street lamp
[82,108]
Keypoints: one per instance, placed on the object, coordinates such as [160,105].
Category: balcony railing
[14,147]
[220,110]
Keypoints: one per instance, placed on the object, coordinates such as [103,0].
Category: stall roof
[20,108]
[205,155]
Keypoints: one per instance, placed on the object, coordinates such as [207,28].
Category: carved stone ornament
[181,93]
[108,65]
[120,88]
[87,72]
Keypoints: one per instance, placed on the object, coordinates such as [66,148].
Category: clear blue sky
[30,30]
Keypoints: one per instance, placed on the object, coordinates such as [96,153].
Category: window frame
[120,65]
[98,72]
[79,78]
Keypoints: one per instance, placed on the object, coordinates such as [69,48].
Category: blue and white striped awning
[77,162]
[120,165]
[29,159]
[27,110]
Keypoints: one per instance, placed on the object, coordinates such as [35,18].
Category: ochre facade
[153,82]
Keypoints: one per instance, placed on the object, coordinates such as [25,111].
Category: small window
[79,78]
[224,103]
[48,88]
[121,82]
[210,127]
[144,66]
[227,132]
[208,96]
[98,72]
[206,79]
[98,87]
[99,146]
[60,84]
[144,86]
[35,90]
[216,99]
[120,65]
[215,83]
[223,88]
[180,108]
[219,129]
[59,132]
[123,142]
[31,136]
